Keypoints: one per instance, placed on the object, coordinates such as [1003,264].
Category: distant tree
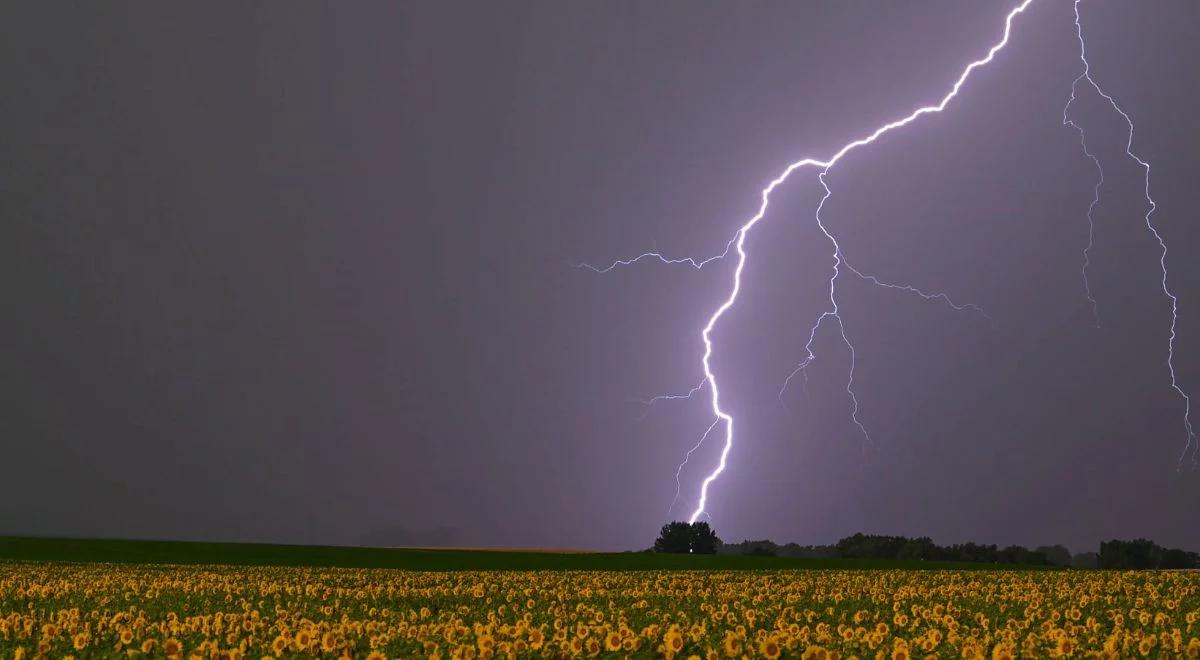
[807,551]
[974,552]
[1176,558]
[675,537]
[1085,560]
[1115,554]
[704,540]
[1015,554]
[761,550]
[1135,554]
[870,546]
[681,537]
[748,547]
[922,548]
[1057,555]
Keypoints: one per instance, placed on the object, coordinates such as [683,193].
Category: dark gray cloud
[298,273]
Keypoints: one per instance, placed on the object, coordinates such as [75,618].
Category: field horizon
[166,552]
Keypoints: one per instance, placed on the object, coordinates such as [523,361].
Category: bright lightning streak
[674,397]
[658,256]
[670,397]
[838,262]
[1162,260]
[740,241]
[801,367]
[679,470]
[1087,287]
[737,243]
[914,290]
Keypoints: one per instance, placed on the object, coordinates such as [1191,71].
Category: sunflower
[673,640]
[769,648]
[172,648]
[731,645]
[612,641]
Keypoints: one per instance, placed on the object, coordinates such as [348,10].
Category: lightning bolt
[647,403]
[694,262]
[679,470]
[673,397]
[958,307]
[1191,444]
[737,245]
[740,241]
[838,262]
[1087,288]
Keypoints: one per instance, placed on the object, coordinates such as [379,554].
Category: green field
[258,554]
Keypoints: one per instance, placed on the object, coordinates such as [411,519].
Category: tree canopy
[682,537]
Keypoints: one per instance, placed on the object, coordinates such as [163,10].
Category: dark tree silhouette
[1176,558]
[1056,555]
[922,548]
[1085,560]
[704,539]
[681,537]
[674,537]
[1135,554]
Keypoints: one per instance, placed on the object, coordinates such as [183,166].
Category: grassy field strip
[252,554]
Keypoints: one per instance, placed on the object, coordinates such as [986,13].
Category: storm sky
[301,273]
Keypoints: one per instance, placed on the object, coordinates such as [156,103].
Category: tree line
[1143,553]
[700,538]
[878,546]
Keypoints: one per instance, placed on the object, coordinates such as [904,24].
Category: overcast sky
[300,273]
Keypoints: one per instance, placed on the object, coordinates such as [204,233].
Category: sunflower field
[104,610]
